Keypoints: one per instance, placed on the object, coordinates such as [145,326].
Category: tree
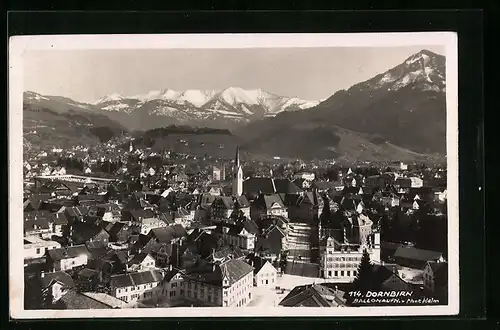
[363,281]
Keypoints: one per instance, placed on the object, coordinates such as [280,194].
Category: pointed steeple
[237,158]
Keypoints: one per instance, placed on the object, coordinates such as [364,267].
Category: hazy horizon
[307,73]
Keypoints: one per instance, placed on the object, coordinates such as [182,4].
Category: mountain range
[228,107]
[398,114]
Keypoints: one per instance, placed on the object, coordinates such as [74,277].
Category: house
[81,233]
[87,170]
[271,243]
[140,262]
[58,171]
[410,182]
[59,223]
[151,223]
[264,273]
[87,279]
[314,295]
[385,277]
[222,207]
[76,213]
[54,285]
[63,259]
[171,287]
[305,208]
[226,284]
[237,235]
[118,232]
[36,247]
[37,223]
[183,216]
[266,205]
[436,278]
[109,212]
[414,258]
[137,286]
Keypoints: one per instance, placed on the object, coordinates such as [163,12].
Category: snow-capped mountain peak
[424,70]
[237,95]
[110,98]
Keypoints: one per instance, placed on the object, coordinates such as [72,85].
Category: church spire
[237,158]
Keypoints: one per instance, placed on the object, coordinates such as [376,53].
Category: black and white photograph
[233,175]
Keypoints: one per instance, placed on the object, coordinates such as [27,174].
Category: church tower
[237,175]
[130,147]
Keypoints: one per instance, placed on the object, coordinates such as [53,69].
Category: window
[330,273]
[348,273]
[196,295]
[37,250]
[336,273]
[126,289]
[354,273]
[341,273]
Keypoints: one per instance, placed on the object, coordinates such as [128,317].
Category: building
[314,295]
[411,257]
[223,207]
[239,235]
[151,223]
[436,278]
[227,284]
[264,274]
[344,236]
[36,247]
[141,262]
[267,205]
[137,286]
[410,182]
[63,259]
[54,285]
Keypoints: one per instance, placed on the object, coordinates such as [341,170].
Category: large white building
[345,235]
[227,284]
[137,286]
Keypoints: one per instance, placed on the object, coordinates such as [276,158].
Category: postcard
[233,175]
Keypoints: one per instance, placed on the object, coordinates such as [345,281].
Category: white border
[18,45]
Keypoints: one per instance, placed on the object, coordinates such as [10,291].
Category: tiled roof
[106,299]
[256,262]
[69,252]
[313,295]
[60,276]
[254,186]
[167,234]
[75,300]
[59,219]
[286,186]
[233,270]
[136,278]
[412,253]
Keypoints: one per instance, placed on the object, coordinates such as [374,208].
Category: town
[117,226]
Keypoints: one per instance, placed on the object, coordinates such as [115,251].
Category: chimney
[42,274]
[213,267]
[170,267]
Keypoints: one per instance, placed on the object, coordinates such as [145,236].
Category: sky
[306,73]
